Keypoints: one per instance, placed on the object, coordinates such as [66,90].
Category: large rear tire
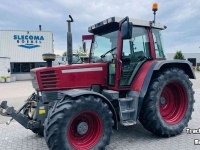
[83,123]
[168,104]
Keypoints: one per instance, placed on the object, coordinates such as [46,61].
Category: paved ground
[15,93]
[15,137]
[196,82]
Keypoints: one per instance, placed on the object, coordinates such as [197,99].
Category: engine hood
[70,76]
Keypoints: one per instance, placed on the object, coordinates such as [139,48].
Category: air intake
[49,79]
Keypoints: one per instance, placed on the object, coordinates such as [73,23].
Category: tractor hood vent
[49,79]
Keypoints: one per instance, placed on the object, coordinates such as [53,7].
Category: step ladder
[128,111]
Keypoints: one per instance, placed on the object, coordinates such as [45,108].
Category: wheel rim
[90,133]
[173,102]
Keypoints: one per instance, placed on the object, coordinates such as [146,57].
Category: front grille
[49,79]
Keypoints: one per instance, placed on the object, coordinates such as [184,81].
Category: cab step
[126,99]
[128,108]
[129,123]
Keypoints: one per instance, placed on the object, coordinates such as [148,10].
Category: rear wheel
[168,105]
[84,123]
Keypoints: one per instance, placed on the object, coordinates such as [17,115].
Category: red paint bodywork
[87,79]
[119,65]
[72,80]
[139,79]
[87,37]
[151,44]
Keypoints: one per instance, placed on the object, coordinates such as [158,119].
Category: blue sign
[29,46]
[26,39]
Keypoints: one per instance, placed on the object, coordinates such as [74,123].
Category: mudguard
[182,64]
[79,92]
[160,65]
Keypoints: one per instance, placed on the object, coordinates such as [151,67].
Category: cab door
[134,53]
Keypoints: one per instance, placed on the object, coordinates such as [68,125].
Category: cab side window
[158,44]
[138,46]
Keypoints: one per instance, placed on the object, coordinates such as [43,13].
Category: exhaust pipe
[40,28]
[69,41]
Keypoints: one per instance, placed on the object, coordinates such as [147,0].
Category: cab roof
[114,21]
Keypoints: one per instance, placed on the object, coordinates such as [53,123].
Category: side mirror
[126,30]
[84,46]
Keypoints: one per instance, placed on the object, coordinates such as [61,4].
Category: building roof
[25,30]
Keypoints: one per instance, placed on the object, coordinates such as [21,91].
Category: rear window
[158,44]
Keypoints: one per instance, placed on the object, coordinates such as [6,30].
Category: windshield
[102,44]
[76,59]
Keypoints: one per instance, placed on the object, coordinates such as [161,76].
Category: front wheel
[83,123]
[168,105]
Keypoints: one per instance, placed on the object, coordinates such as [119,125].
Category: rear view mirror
[126,30]
[84,46]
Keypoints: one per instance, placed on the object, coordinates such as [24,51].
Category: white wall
[12,44]
[4,66]
[21,77]
[170,56]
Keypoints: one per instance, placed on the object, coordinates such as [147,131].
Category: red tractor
[127,79]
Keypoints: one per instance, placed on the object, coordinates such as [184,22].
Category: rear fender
[160,65]
[80,92]
[182,64]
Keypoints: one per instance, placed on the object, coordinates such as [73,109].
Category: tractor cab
[125,45]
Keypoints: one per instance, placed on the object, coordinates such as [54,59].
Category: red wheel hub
[85,130]
[173,102]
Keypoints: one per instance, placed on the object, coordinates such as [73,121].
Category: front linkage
[22,116]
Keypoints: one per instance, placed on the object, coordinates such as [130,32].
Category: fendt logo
[29,41]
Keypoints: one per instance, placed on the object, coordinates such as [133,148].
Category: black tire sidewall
[181,78]
[96,107]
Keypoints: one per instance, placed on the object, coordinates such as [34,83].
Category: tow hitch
[18,116]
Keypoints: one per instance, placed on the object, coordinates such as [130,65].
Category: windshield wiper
[108,52]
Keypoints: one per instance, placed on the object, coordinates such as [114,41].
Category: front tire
[168,104]
[83,123]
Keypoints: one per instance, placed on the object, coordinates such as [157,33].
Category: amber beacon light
[155,7]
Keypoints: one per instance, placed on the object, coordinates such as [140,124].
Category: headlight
[34,80]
